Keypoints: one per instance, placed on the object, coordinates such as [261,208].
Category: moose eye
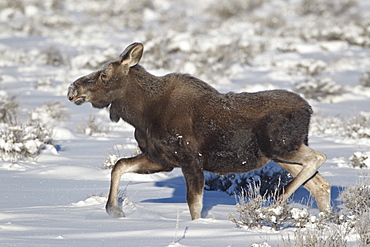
[103,76]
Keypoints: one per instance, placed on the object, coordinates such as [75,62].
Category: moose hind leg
[138,164]
[318,186]
[303,165]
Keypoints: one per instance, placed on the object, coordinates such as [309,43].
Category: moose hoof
[115,212]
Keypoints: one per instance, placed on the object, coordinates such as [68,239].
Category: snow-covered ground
[58,198]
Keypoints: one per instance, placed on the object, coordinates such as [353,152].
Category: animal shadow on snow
[210,198]
[214,198]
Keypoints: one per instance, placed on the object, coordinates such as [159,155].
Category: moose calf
[181,121]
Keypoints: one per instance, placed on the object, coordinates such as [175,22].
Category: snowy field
[53,188]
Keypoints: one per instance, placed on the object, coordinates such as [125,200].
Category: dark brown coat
[181,121]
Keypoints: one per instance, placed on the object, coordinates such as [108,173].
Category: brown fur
[180,121]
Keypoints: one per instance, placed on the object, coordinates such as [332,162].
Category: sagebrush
[8,108]
[354,127]
[93,126]
[312,229]
[23,142]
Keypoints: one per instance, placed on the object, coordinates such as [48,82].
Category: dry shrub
[110,161]
[322,8]
[334,236]
[355,127]
[233,8]
[362,227]
[357,198]
[318,89]
[357,203]
[322,230]
[256,210]
[23,142]
[50,114]
[359,160]
[365,79]
[8,108]
[92,127]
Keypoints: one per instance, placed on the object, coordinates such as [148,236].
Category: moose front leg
[138,164]
[194,178]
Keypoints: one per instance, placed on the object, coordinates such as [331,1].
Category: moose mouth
[80,100]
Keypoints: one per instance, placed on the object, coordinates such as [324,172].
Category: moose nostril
[71,92]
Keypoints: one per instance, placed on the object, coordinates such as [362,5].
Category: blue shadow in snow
[178,195]
[304,197]
[214,198]
[210,198]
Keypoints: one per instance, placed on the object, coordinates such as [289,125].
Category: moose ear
[132,54]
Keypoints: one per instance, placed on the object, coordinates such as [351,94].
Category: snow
[58,198]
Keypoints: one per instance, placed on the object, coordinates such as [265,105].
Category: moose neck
[140,93]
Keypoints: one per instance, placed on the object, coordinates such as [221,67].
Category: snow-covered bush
[93,127]
[256,210]
[110,162]
[263,244]
[329,21]
[93,59]
[233,8]
[222,57]
[356,202]
[354,33]
[318,89]
[160,51]
[49,114]
[357,198]
[127,13]
[308,67]
[33,17]
[333,236]
[324,8]
[272,21]
[311,82]
[356,127]
[22,142]
[8,108]
[365,79]
[323,20]
[333,229]
[360,160]
[23,5]
[362,227]
[212,63]
[53,56]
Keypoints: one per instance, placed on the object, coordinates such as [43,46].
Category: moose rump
[241,130]
[181,121]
